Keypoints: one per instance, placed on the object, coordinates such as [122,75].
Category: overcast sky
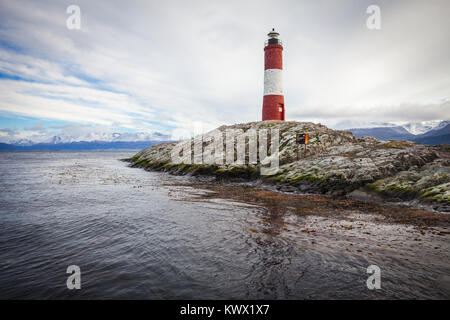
[166,65]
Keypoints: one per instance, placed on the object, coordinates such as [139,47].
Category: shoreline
[258,184]
[335,163]
[240,177]
[319,205]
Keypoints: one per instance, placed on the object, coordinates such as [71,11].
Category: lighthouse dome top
[273,38]
[273,34]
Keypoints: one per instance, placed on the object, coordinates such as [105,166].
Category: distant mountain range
[93,137]
[429,134]
[80,145]
[88,141]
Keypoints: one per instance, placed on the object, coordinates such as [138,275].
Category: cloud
[8,131]
[37,127]
[148,65]
[8,135]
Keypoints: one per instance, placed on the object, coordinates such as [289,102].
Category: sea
[137,234]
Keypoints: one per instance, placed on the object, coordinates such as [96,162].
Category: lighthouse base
[273,107]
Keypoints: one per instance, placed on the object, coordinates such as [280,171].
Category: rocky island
[334,163]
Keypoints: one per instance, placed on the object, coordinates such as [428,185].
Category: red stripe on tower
[273,102]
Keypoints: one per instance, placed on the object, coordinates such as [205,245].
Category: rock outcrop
[334,162]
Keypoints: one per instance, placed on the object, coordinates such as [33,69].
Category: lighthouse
[273,102]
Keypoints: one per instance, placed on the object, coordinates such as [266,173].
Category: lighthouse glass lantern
[273,101]
[273,37]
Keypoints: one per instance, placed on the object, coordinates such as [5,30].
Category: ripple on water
[138,234]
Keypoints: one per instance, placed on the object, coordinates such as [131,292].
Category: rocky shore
[334,163]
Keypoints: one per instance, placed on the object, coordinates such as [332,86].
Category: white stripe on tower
[273,82]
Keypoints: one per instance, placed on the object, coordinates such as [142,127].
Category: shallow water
[139,234]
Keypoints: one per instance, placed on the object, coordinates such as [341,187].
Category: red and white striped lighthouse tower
[273,103]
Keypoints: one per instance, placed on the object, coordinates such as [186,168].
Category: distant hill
[436,132]
[434,140]
[79,146]
[8,147]
[439,135]
[397,133]
[434,137]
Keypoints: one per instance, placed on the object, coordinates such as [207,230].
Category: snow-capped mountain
[428,132]
[88,141]
[424,126]
[23,142]
[107,137]
[61,138]
[397,132]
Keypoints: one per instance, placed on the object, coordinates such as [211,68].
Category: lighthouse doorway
[281,110]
